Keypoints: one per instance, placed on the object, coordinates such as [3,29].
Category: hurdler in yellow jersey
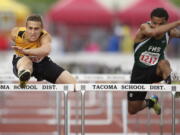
[21,42]
[32,47]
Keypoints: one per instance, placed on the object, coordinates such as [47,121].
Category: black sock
[149,103]
[168,79]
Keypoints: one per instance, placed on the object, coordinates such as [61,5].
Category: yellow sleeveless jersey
[21,42]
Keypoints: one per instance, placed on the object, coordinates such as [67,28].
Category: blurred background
[89,36]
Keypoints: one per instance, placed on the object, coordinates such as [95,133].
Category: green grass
[38,6]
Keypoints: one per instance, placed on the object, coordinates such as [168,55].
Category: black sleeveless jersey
[150,51]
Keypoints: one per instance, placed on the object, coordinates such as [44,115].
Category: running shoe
[24,76]
[156,107]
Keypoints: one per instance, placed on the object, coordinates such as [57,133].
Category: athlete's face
[33,30]
[157,21]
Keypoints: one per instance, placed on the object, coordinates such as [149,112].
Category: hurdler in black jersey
[150,65]
[150,51]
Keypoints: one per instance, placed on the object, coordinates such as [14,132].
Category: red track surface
[34,112]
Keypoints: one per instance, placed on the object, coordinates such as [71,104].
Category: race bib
[149,58]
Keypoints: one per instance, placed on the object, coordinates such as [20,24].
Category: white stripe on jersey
[141,44]
[167,37]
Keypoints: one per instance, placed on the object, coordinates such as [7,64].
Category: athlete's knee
[164,69]
[163,63]
[24,61]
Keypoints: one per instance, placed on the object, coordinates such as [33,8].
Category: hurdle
[129,87]
[94,87]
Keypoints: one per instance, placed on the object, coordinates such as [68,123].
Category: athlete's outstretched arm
[152,32]
[43,50]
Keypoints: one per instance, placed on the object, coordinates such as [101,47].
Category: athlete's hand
[19,49]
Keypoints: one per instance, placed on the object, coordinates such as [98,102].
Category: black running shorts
[143,76]
[46,69]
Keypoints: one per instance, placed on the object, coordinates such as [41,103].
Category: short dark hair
[160,12]
[36,18]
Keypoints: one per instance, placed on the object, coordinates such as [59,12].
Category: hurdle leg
[66,112]
[162,114]
[77,113]
[173,114]
[82,112]
[58,112]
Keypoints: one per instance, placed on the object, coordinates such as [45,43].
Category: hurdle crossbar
[92,87]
